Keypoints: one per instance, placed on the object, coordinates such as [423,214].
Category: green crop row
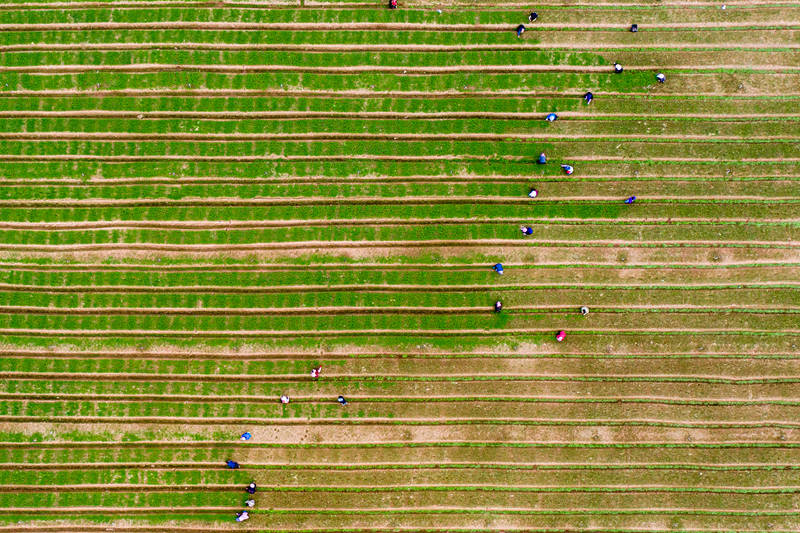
[334,211]
[521,151]
[677,105]
[599,130]
[302,60]
[444,323]
[372,82]
[450,280]
[699,170]
[45,500]
[409,15]
[588,232]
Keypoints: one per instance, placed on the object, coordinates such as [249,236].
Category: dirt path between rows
[243,224]
[361,94]
[400,310]
[340,136]
[369,200]
[394,245]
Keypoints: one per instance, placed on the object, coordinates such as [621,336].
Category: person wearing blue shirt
[542,159]
[551,117]
[630,200]
[520,30]
[588,97]
[498,268]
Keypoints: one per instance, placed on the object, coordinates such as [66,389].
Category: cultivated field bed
[201,202]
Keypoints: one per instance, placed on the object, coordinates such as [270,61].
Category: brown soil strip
[353,200]
[395,245]
[361,310]
[339,136]
[432,510]
[280,378]
[380,421]
[389,267]
[256,289]
[328,355]
[244,224]
[236,334]
[561,400]
[355,69]
[361,94]
[595,178]
[377,466]
[368,157]
[131,487]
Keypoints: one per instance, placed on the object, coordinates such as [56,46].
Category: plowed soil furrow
[201,225]
[372,157]
[378,422]
[330,355]
[365,287]
[362,94]
[544,489]
[239,137]
[361,200]
[561,400]
[395,245]
[349,310]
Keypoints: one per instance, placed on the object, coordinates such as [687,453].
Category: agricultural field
[201,201]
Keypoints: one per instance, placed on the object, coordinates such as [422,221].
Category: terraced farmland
[202,201]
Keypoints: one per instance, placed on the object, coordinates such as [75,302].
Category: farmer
[250,503]
[498,268]
[392,4]
[520,30]
[341,400]
[233,465]
[542,159]
[588,97]
[634,28]
[242,516]
[246,436]
[284,399]
[551,117]
[584,310]
[568,169]
[533,16]
[533,194]
[561,335]
[498,306]
[630,200]
[251,488]
[315,372]
[661,78]
[617,68]
[526,230]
